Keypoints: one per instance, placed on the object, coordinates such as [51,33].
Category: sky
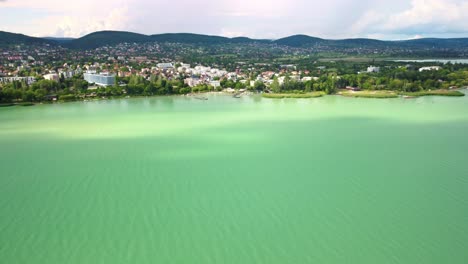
[268,19]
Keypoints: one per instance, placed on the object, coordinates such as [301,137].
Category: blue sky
[396,19]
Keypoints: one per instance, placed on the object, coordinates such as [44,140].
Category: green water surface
[250,180]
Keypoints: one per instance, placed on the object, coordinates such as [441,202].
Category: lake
[249,180]
[453,61]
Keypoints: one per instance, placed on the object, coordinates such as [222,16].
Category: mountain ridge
[110,37]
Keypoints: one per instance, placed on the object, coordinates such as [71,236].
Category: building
[52,77]
[66,74]
[288,66]
[308,79]
[430,68]
[102,79]
[215,84]
[192,81]
[295,78]
[165,66]
[28,80]
[371,69]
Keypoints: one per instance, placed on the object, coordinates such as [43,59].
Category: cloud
[423,17]
[77,26]
[73,19]
[258,19]
[232,34]
[367,21]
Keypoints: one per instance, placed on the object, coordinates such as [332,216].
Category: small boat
[409,97]
[201,98]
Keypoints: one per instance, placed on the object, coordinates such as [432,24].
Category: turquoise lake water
[250,180]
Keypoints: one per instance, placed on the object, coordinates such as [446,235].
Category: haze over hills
[103,38]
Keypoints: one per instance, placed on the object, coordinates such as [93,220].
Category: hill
[60,40]
[189,38]
[299,41]
[436,42]
[304,41]
[7,38]
[103,38]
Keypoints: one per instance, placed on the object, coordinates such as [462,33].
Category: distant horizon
[205,34]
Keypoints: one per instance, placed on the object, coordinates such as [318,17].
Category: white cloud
[368,20]
[231,34]
[77,26]
[417,37]
[423,12]
[72,18]
[251,18]
[423,17]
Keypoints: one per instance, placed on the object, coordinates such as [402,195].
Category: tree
[40,94]
[150,89]
[308,86]
[330,85]
[29,96]
[259,86]
[275,86]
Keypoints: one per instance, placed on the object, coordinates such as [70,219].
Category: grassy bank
[293,95]
[369,94]
[16,104]
[435,93]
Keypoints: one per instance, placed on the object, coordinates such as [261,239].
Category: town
[53,73]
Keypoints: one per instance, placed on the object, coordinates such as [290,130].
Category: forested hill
[104,38]
[7,38]
[304,41]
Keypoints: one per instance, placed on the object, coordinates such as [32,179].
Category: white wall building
[52,77]
[28,80]
[192,81]
[371,69]
[103,79]
[215,84]
[165,66]
[430,68]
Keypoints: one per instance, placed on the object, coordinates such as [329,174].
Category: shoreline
[385,94]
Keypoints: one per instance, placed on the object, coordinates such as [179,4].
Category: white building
[295,78]
[281,80]
[215,84]
[192,81]
[371,69]
[430,68]
[52,77]
[165,66]
[306,79]
[28,80]
[67,74]
[103,79]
